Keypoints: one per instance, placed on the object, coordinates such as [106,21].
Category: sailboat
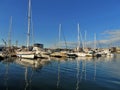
[78,53]
[59,53]
[27,53]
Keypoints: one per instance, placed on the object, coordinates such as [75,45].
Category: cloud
[111,37]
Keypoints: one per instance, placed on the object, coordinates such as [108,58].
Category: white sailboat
[78,53]
[26,53]
[59,53]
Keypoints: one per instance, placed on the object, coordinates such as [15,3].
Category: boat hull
[27,54]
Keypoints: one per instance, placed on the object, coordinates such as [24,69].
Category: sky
[94,16]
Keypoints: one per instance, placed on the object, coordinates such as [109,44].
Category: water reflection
[58,78]
[78,79]
[95,70]
[36,64]
[59,59]
[7,62]
[29,66]
[82,61]
[84,58]
[82,69]
[6,75]
[66,74]
[26,78]
[28,81]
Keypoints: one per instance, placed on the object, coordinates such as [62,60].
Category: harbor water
[60,74]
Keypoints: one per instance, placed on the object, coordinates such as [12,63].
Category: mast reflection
[7,62]
[6,75]
[34,65]
[78,75]
[58,79]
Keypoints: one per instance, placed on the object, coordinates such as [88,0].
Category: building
[39,45]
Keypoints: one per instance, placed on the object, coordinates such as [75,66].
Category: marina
[37,50]
[59,45]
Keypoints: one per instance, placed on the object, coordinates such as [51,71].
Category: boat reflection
[32,63]
[84,58]
[81,75]
[35,65]
[58,59]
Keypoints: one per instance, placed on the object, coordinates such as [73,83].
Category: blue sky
[94,16]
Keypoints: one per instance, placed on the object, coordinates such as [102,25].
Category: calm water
[61,74]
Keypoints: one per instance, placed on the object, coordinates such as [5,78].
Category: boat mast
[78,38]
[59,34]
[85,45]
[9,34]
[95,41]
[29,23]
[33,41]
